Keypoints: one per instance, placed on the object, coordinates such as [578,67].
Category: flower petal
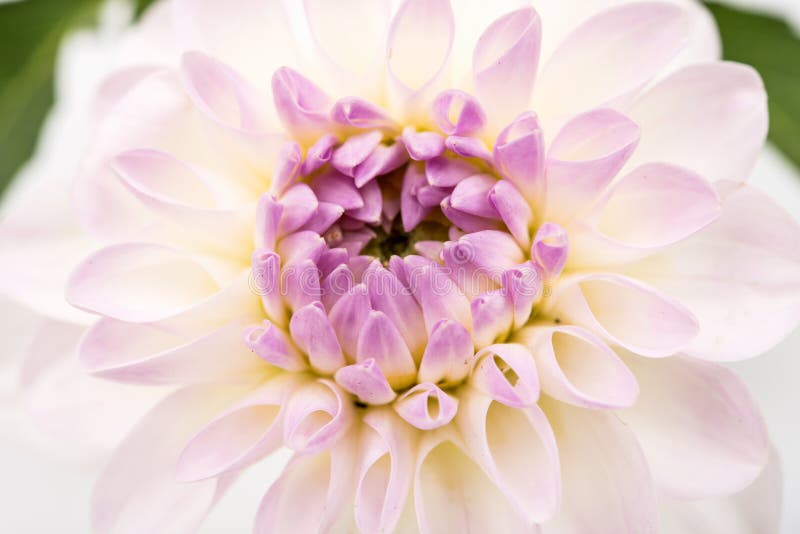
[585,156]
[453,494]
[152,354]
[506,372]
[576,367]
[733,104]
[313,333]
[380,340]
[505,62]
[136,282]
[313,494]
[317,416]
[739,275]
[426,406]
[607,484]
[138,492]
[384,472]
[614,53]
[366,381]
[757,508]
[700,429]
[627,312]
[517,449]
[417,50]
[244,433]
[448,354]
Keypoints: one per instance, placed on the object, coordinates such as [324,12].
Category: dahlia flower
[474,263]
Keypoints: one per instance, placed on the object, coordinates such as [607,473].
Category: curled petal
[272,345]
[319,154]
[668,203]
[517,449]
[453,494]
[380,340]
[358,113]
[447,172]
[426,406]
[316,416]
[519,155]
[348,315]
[302,106]
[437,293]
[265,281]
[448,354]
[299,204]
[385,470]
[507,373]
[576,367]
[313,333]
[222,94]
[731,98]
[492,317]
[366,381]
[422,146]
[513,209]
[550,249]
[458,113]
[524,286]
[355,151]
[312,494]
[268,215]
[600,451]
[388,295]
[471,195]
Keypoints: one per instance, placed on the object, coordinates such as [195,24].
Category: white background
[45,489]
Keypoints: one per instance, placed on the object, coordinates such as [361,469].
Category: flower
[474,264]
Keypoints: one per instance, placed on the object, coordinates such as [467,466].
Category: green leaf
[770,45]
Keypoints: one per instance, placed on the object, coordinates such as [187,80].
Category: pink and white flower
[475,263]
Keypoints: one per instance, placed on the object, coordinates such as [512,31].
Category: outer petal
[453,494]
[385,470]
[607,485]
[66,402]
[350,45]
[517,449]
[417,50]
[740,276]
[241,435]
[655,205]
[724,145]
[627,312]
[35,271]
[152,354]
[505,62]
[700,429]
[755,509]
[614,53]
[136,282]
[314,493]
[137,492]
[584,158]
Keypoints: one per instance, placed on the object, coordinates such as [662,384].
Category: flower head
[471,263]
